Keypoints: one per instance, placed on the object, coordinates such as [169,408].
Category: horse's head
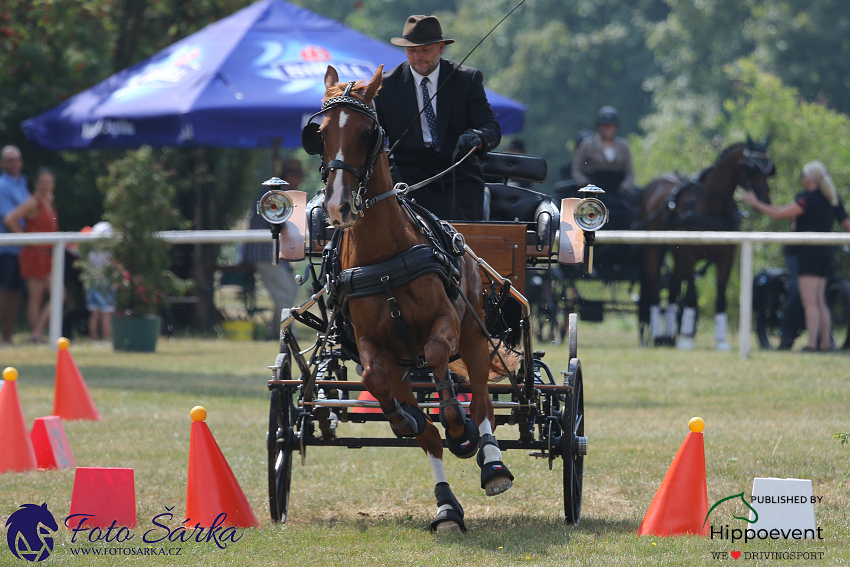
[756,168]
[350,140]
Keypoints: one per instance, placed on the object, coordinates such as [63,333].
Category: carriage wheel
[280,443]
[838,299]
[573,444]
[572,331]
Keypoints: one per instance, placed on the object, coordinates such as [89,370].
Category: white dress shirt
[433,80]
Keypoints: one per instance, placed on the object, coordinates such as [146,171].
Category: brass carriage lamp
[590,215]
[275,207]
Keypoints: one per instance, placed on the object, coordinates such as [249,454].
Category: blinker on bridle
[311,141]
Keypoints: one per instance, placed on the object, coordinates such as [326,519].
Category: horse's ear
[331,77]
[750,143]
[374,83]
[767,141]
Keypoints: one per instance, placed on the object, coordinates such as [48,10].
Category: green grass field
[772,415]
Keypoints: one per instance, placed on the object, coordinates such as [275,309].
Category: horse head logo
[29,532]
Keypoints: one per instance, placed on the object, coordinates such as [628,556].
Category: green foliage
[138,204]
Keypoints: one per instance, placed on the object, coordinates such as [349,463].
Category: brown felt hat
[421,30]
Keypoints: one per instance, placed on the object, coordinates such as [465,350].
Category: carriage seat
[510,203]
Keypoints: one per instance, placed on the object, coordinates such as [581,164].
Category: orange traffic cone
[71,397]
[18,454]
[681,503]
[212,488]
[365,396]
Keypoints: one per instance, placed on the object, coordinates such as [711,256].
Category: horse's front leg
[449,516]
[406,420]
[475,351]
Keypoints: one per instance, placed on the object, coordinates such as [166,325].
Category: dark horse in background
[409,318]
[706,203]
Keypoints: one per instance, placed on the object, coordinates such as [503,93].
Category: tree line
[688,78]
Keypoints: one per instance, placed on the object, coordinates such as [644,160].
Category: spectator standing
[36,262]
[793,312]
[100,294]
[813,210]
[13,192]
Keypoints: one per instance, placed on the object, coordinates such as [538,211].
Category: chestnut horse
[707,203]
[415,318]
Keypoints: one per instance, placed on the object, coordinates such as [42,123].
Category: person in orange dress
[36,262]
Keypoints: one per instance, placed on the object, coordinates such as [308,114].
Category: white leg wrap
[654,321]
[689,321]
[491,453]
[437,468]
[671,321]
[720,325]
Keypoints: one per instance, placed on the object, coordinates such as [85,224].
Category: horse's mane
[721,157]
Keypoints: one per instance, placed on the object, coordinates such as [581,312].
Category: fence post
[57,288]
[745,316]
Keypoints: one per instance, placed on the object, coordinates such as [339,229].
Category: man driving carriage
[605,159]
[457,119]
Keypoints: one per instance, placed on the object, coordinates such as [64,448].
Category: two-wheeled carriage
[370,320]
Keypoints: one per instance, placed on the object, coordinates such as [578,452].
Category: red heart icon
[735,554]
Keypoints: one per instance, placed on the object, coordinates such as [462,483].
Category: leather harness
[441,256]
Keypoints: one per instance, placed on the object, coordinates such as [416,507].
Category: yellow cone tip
[62,343]
[10,374]
[198,413]
[696,424]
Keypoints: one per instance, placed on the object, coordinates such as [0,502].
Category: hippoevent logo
[748,534]
[29,532]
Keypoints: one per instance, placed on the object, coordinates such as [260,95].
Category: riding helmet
[607,115]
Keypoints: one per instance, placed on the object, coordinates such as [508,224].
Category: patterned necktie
[429,114]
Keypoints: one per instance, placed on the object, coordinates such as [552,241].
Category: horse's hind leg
[495,476]
[724,269]
[689,318]
[650,311]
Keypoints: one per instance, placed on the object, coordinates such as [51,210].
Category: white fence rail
[747,240]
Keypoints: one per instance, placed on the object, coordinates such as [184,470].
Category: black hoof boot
[495,476]
[465,446]
[450,516]
[411,417]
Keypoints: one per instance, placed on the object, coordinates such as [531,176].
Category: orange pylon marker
[71,398]
[212,489]
[681,503]
[18,454]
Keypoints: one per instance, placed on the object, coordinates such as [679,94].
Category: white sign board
[784,504]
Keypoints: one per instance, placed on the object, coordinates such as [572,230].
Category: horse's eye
[365,135]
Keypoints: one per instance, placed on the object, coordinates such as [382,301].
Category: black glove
[468,140]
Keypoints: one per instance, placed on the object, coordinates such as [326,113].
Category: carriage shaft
[345,385]
[376,405]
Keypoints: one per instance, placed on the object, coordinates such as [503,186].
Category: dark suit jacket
[461,105]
